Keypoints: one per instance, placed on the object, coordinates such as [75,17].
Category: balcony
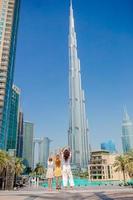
[1,98]
[98,160]
[1,103]
[93,168]
[2,86]
[96,174]
[2,92]
[3,74]
[4,69]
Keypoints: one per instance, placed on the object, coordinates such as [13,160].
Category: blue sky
[105,45]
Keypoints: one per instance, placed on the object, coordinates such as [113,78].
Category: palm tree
[28,170]
[3,161]
[40,170]
[11,165]
[6,163]
[130,163]
[121,165]
[18,168]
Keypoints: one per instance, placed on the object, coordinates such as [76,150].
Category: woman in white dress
[66,171]
[50,173]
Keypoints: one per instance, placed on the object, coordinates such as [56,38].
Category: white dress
[67,173]
[50,170]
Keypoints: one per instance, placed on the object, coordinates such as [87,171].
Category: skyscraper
[9,16]
[28,143]
[44,151]
[41,150]
[108,146]
[13,119]
[78,125]
[20,136]
[127,133]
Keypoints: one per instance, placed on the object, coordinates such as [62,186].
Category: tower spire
[71,3]
[71,25]
[126,116]
[78,129]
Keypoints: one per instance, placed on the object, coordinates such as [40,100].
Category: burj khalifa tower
[78,123]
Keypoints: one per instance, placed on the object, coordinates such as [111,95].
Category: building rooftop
[100,152]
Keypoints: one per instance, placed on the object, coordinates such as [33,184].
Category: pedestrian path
[76,194]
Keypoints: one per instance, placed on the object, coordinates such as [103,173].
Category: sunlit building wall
[20,136]
[9,17]
[28,143]
[13,119]
[127,133]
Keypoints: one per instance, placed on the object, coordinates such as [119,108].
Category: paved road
[108,194]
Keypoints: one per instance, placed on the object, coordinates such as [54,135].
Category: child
[33,182]
[50,173]
[58,172]
[67,173]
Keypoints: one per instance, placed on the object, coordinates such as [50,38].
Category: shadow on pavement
[103,196]
[59,196]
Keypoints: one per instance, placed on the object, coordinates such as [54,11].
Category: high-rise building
[42,151]
[28,143]
[13,119]
[78,125]
[127,133]
[20,136]
[108,146]
[9,17]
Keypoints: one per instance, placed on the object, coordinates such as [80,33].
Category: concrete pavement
[75,194]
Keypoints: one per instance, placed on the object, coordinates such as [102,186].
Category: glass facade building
[13,119]
[41,151]
[108,146]
[127,133]
[44,151]
[9,17]
[28,143]
[20,136]
[78,131]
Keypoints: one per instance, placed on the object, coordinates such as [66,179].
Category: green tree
[28,170]
[3,161]
[18,168]
[6,163]
[39,170]
[130,164]
[120,165]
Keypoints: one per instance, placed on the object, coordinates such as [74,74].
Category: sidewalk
[75,194]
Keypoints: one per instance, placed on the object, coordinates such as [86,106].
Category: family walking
[59,167]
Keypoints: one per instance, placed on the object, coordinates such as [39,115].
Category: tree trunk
[9,178]
[124,176]
[4,179]
[15,177]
